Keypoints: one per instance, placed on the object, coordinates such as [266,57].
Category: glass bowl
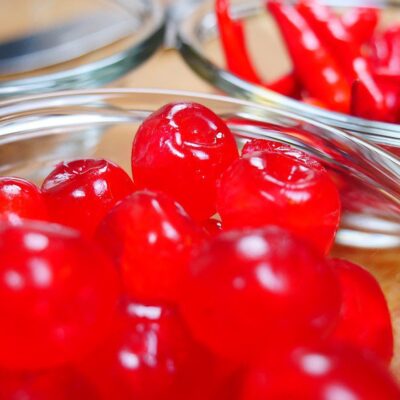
[39,131]
[50,46]
[199,45]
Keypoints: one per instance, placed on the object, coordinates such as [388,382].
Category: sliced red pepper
[286,84]
[392,37]
[361,105]
[332,34]
[379,50]
[361,23]
[314,66]
[385,75]
[385,51]
[237,55]
[348,53]
[234,43]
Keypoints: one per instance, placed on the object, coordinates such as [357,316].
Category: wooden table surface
[166,70]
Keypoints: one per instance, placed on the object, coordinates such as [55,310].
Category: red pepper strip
[333,34]
[234,43]
[361,23]
[237,55]
[286,84]
[379,47]
[314,66]
[361,105]
[392,37]
[385,75]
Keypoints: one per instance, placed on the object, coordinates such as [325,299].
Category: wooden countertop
[165,70]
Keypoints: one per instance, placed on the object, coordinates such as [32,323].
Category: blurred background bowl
[199,45]
[49,45]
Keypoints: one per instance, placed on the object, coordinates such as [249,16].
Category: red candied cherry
[364,318]
[151,238]
[20,198]
[287,189]
[79,193]
[255,145]
[182,149]
[321,374]
[259,291]
[58,293]
[58,384]
[151,356]
[212,226]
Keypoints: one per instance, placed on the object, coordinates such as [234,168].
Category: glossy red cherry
[20,198]
[79,193]
[57,295]
[151,238]
[321,374]
[364,318]
[259,291]
[150,356]
[58,384]
[255,145]
[288,189]
[182,149]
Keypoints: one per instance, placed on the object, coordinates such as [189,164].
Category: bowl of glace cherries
[194,255]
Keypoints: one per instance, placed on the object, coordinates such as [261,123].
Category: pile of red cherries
[206,277]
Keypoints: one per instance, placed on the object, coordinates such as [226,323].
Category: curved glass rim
[190,47]
[385,174]
[101,71]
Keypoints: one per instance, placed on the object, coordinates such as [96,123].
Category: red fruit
[182,149]
[151,238]
[321,374]
[57,295]
[364,318]
[150,356]
[259,291]
[59,384]
[212,226]
[255,145]
[20,199]
[79,193]
[288,189]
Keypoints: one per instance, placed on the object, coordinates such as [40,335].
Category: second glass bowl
[52,46]
[199,45]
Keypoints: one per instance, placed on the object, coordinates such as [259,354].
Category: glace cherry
[20,198]
[150,237]
[259,291]
[321,374]
[79,193]
[55,384]
[150,356]
[364,317]
[182,149]
[288,189]
[58,293]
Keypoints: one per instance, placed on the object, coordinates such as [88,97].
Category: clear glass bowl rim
[190,48]
[377,167]
[99,72]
